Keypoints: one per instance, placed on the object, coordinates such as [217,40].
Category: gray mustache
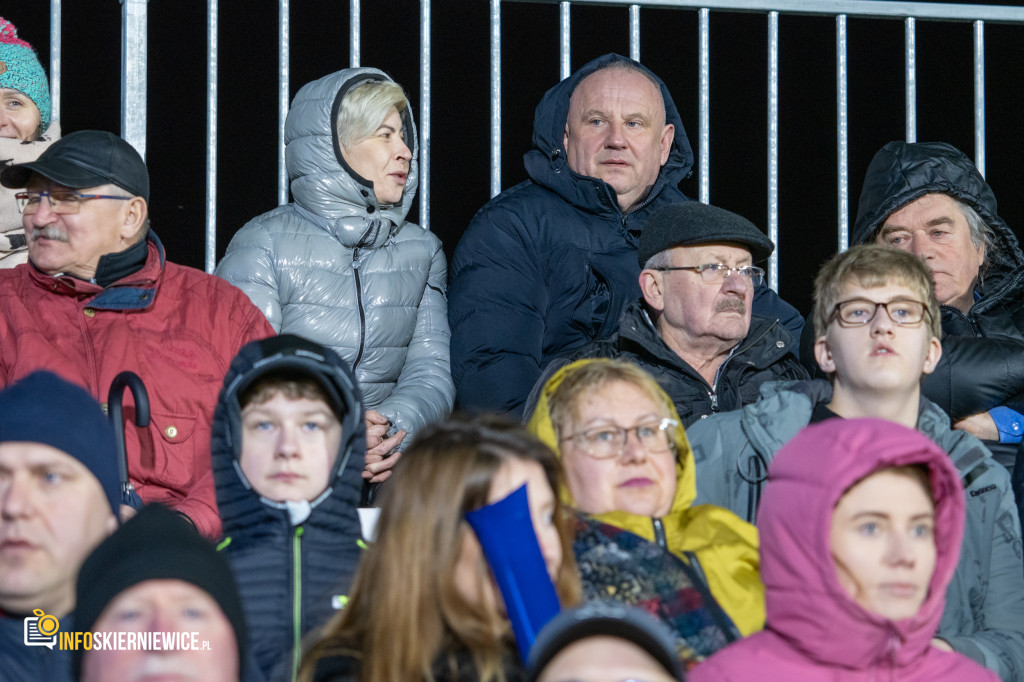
[728,304]
[50,232]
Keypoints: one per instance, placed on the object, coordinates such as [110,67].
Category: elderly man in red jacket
[98,297]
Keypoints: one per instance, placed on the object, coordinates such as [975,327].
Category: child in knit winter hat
[24,90]
[25,130]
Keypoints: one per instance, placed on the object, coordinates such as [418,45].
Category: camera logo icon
[41,629]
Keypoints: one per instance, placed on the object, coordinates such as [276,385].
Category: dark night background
[460,162]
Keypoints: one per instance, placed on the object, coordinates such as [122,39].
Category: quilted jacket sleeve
[498,301]
[424,393]
[976,374]
[249,264]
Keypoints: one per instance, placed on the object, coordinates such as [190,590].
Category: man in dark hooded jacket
[550,264]
[929,198]
[288,444]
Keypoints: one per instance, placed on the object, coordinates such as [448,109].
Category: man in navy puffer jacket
[550,264]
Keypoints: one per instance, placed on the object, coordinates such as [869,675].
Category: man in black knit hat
[58,499]
[159,580]
[692,329]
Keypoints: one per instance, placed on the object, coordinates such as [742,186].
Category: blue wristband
[1009,423]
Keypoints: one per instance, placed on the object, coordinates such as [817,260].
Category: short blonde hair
[365,107]
[590,377]
[871,266]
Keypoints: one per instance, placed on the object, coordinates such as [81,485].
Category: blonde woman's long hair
[405,609]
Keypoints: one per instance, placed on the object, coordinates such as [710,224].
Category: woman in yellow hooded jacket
[630,476]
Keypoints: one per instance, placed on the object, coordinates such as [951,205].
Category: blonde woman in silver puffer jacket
[341,266]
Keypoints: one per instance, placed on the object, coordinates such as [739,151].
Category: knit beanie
[20,70]
[156,544]
[43,408]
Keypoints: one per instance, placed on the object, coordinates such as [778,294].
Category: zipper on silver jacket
[359,307]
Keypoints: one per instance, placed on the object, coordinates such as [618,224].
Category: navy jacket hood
[547,164]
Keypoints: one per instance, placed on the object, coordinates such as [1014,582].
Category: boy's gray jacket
[984,615]
[336,267]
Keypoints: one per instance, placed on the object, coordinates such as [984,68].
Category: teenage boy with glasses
[877,328]
[692,329]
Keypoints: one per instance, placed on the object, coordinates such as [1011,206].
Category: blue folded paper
[506,534]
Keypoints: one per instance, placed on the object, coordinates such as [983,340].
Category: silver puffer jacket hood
[321,181]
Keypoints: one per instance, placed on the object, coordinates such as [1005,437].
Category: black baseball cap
[690,222]
[85,159]
[604,618]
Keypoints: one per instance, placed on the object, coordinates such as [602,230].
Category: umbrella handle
[115,398]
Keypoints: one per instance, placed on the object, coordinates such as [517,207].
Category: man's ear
[823,354]
[667,135]
[134,218]
[652,285]
[565,138]
[931,360]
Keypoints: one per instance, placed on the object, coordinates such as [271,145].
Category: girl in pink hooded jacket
[854,563]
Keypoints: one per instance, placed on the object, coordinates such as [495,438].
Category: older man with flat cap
[692,329]
[98,297]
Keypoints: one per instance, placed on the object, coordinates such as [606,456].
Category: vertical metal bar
[773,147]
[55,47]
[911,61]
[495,97]
[425,114]
[634,32]
[564,26]
[282,96]
[211,135]
[979,96]
[133,73]
[842,135]
[704,106]
[354,30]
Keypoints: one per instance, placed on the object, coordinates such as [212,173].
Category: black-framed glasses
[605,442]
[61,201]
[716,273]
[858,312]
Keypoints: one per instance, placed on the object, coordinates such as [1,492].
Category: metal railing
[133,82]
[910,12]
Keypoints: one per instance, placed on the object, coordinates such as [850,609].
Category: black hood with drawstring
[982,365]
[289,558]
